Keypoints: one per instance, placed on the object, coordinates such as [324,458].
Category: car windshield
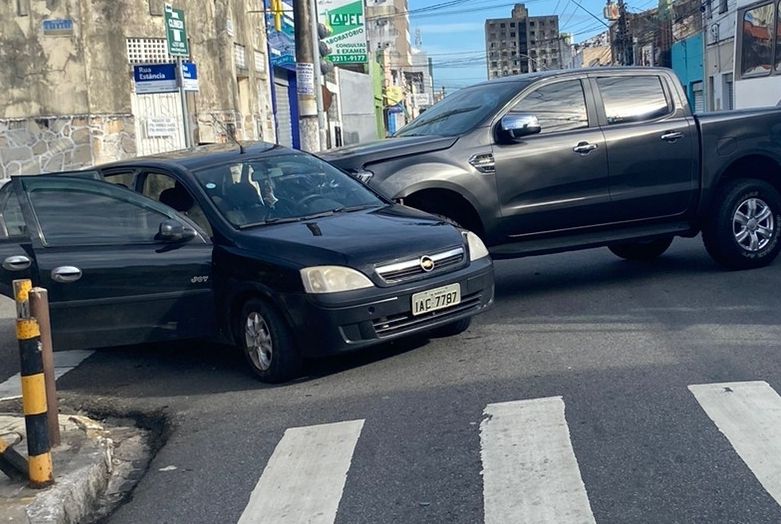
[463,110]
[282,187]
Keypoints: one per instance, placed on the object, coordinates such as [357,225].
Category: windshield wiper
[349,209]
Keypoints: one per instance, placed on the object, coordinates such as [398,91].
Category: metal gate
[284,124]
[698,92]
[159,126]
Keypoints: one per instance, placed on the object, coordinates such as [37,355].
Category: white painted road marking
[64,361]
[530,473]
[749,415]
[304,478]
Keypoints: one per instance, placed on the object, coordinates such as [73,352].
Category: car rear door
[110,280]
[651,146]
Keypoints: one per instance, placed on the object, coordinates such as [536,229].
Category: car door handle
[16,263]
[584,148]
[66,274]
[671,136]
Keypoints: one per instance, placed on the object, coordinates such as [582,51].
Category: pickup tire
[266,343]
[742,231]
[452,329]
[642,250]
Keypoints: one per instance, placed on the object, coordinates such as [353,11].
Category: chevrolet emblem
[426,264]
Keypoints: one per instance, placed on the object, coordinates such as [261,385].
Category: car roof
[201,156]
[531,77]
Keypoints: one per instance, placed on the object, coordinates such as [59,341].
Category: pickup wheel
[743,229]
[642,250]
[265,341]
[452,329]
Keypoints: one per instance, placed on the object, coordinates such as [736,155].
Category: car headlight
[331,279]
[477,249]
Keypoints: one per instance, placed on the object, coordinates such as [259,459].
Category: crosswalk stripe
[749,415]
[64,361]
[304,478]
[530,473]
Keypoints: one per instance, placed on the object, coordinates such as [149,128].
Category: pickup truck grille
[388,326]
[407,269]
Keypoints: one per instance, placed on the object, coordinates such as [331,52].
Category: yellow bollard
[28,333]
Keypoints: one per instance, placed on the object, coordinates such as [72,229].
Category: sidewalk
[94,468]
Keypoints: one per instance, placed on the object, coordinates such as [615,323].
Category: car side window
[11,214]
[558,107]
[125,179]
[168,191]
[632,98]
[75,212]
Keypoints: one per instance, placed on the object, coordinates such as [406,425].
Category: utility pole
[626,55]
[305,77]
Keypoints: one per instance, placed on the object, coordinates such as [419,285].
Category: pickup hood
[357,156]
[360,239]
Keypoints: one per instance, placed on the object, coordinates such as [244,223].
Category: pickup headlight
[477,249]
[363,175]
[331,279]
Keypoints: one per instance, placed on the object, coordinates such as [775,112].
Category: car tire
[452,329]
[266,343]
[647,250]
[742,231]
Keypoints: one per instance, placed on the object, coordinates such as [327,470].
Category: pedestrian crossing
[530,471]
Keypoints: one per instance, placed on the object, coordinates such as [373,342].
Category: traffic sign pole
[188,136]
[178,46]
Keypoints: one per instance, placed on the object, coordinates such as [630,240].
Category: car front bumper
[339,322]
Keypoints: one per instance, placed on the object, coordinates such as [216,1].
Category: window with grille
[240,55]
[148,51]
[260,62]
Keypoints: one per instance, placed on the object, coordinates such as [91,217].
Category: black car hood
[360,239]
[360,155]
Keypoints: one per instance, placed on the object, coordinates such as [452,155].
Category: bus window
[757,41]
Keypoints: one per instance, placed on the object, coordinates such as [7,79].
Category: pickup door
[93,245]
[555,180]
[652,146]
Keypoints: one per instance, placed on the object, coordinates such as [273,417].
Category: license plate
[434,299]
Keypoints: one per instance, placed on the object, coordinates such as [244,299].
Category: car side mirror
[519,125]
[174,231]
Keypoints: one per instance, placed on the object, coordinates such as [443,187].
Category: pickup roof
[573,159]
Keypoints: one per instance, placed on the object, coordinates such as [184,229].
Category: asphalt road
[619,342]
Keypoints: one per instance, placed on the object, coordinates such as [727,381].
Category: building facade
[67,94]
[522,44]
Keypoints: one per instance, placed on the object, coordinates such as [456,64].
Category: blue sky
[454,38]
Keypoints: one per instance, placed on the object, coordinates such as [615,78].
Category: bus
[758,54]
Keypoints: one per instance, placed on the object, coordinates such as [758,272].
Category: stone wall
[48,144]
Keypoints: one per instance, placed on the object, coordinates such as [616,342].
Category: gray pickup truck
[574,159]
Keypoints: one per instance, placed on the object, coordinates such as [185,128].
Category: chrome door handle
[66,274]
[671,136]
[584,148]
[16,263]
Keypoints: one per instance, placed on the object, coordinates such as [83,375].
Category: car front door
[16,252]
[112,279]
[651,147]
[555,180]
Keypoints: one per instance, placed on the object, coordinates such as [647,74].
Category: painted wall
[359,119]
[687,63]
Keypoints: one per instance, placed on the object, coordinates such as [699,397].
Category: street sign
[59,27]
[345,19]
[176,32]
[189,76]
[155,78]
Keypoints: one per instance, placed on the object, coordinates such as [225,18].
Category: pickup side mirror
[174,231]
[518,125]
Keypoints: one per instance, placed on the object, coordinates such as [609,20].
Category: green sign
[175,32]
[345,19]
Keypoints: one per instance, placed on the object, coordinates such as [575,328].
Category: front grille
[400,271]
[388,326]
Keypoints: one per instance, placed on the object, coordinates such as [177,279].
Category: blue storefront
[687,64]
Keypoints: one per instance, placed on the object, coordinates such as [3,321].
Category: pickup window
[558,107]
[632,98]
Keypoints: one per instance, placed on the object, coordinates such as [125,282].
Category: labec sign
[346,20]
[176,32]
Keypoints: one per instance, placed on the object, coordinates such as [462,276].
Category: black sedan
[267,248]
